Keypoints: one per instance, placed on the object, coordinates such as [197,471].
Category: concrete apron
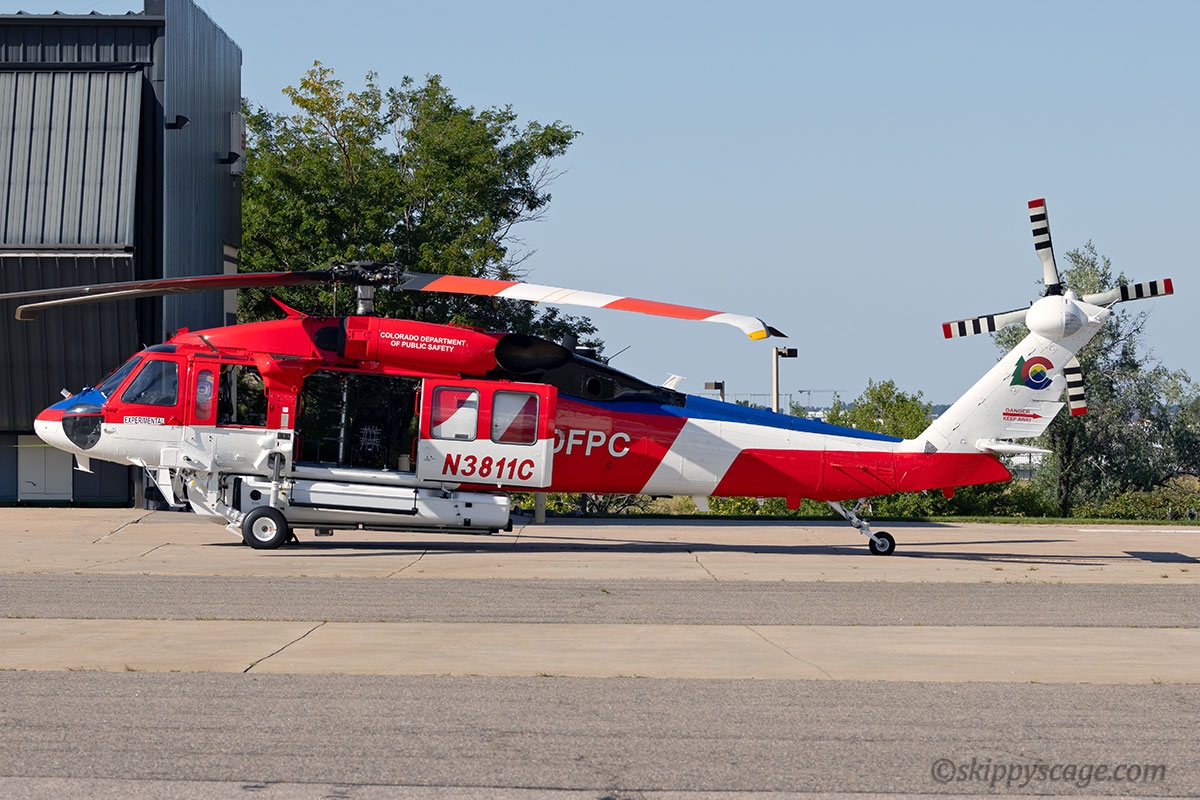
[924,653]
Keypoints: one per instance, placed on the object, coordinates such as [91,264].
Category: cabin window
[241,396]
[514,417]
[357,419]
[205,395]
[156,385]
[455,413]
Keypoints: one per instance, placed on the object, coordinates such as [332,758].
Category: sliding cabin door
[486,433]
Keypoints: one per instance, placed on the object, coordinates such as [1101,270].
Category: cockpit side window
[205,394]
[157,384]
[117,376]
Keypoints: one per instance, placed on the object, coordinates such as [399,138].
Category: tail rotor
[1061,315]
[1076,395]
[1044,247]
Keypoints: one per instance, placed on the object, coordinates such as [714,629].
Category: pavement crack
[817,667]
[406,566]
[113,533]
[254,664]
[115,561]
[696,556]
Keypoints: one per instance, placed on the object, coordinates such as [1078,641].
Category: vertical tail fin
[1020,395]
[1016,399]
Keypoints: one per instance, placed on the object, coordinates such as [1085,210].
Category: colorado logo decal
[1034,373]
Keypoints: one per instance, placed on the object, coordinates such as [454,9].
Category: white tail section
[1020,395]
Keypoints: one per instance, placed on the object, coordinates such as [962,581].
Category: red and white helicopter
[432,424]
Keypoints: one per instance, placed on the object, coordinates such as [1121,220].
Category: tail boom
[838,475]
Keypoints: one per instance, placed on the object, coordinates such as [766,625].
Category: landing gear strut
[881,543]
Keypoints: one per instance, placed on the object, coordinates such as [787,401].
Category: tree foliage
[403,174]
[883,408]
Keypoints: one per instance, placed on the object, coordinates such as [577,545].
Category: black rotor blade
[130,290]
[196,283]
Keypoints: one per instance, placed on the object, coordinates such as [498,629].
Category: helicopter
[435,424]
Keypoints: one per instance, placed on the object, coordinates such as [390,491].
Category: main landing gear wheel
[265,528]
[886,544]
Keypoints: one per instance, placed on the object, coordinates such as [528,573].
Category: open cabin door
[486,432]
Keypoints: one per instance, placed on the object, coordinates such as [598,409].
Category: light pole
[776,354]
[719,386]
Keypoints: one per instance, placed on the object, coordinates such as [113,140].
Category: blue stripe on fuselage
[93,396]
[705,408]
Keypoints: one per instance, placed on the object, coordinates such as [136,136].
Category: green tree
[1126,441]
[1185,437]
[404,175]
[883,408]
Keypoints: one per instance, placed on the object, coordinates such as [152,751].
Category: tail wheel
[886,544]
[265,528]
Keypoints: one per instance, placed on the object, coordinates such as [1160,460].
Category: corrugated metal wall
[113,40]
[70,141]
[203,209]
[68,347]
[99,190]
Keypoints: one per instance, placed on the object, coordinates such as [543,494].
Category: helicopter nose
[48,425]
[74,428]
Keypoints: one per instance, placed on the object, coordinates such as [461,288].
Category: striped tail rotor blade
[1132,291]
[487,287]
[1076,396]
[1042,244]
[989,323]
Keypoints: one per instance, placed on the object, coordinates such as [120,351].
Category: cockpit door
[149,406]
[486,432]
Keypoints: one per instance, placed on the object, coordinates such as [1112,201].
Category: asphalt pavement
[616,601]
[149,656]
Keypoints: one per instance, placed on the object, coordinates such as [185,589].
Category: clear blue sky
[854,173]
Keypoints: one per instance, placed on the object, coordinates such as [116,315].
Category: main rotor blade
[1133,291]
[989,323]
[379,275]
[128,290]
[753,327]
[1042,244]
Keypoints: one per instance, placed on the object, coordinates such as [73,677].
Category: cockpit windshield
[114,379]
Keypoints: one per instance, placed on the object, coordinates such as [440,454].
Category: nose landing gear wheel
[265,529]
[886,546]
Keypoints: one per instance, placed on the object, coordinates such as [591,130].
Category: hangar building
[122,145]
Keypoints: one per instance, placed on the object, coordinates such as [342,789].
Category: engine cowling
[426,347]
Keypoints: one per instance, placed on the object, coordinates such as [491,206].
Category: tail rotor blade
[1042,244]
[1076,396]
[989,323]
[1133,291]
